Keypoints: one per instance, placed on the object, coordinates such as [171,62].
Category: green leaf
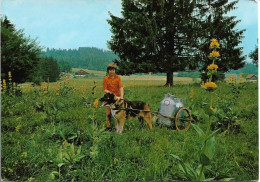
[176,157]
[214,133]
[209,149]
[60,164]
[209,179]
[199,131]
[204,159]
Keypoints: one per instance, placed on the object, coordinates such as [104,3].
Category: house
[251,77]
[81,73]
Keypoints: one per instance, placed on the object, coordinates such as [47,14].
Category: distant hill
[249,68]
[84,57]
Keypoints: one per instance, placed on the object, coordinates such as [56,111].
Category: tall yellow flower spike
[210,86]
[214,54]
[231,78]
[213,67]
[4,84]
[214,43]
[95,104]
[191,93]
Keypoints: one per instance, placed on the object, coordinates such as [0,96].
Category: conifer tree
[168,36]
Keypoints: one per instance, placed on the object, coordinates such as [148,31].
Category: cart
[172,113]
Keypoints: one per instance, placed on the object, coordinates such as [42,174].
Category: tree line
[83,57]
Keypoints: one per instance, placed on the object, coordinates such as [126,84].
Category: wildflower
[214,43]
[231,79]
[10,76]
[4,84]
[14,87]
[213,67]
[210,86]
[214,54]
[241,77]
[57,88]
[211,108]
[95,104]
[191,93]
[1,85]
[45,91]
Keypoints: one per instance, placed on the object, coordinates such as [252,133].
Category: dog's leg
[148,119]
[148,116]
[121,125]
[116,123]
[141,119]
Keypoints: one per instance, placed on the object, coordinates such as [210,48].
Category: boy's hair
[111,66]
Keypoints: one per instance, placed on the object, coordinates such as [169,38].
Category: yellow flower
[211,108]
[213,67]
[210,86]
[191,93]
[231,79]
[214,54]
[57,94]
[4,84]
[95,104]
[45,91]
[214,43]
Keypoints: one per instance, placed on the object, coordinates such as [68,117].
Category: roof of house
[251,76]
[81,72]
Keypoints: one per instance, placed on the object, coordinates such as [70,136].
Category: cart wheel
[183,119]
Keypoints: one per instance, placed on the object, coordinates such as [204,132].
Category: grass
[49,137]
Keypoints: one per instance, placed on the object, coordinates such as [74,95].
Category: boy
[112,84]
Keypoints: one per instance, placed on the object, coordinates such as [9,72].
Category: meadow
[55,132]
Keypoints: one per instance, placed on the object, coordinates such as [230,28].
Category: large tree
[155,36]
[168,36]
[254,56]
[19,54]
[222,27]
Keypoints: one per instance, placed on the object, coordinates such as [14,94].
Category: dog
[123,109]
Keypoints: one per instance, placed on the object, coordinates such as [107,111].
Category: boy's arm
[121,92]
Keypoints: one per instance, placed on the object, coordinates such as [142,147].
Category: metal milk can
[169,107]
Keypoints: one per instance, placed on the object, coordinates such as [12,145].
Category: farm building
[81,73]
[251,77]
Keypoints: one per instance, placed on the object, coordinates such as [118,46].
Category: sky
[70,24]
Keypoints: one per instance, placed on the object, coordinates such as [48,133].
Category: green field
[62,137]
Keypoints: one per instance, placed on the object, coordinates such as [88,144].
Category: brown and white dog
[126,109]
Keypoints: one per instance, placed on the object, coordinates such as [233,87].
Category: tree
[168,36]
[154,36]
[47,70]
[65,66]
[254,56]
[19,54]
[220,26]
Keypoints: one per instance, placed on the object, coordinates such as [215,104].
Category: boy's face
[112,72]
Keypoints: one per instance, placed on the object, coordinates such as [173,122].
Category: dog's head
[108,99]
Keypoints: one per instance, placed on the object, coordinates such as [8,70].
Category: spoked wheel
[183,119]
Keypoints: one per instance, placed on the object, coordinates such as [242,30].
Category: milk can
[168,107]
